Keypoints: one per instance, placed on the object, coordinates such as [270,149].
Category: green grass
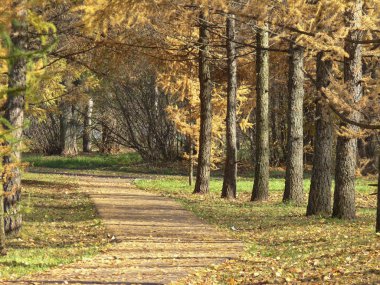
[87,162]
[244,185]
[95,163]
[283,245]
[130,163]
[60,226]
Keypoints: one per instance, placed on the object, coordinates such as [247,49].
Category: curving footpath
[156,240]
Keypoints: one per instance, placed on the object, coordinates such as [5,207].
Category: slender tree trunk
[320,188]
[87,128]
[346,152]
[261,184]
[378,201]
[191,165]
[14,114]
[294,162]
[204,156]
[2,227]
[230,171]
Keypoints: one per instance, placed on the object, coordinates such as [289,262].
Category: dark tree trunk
[261,184]
[320,188]
[14,114]
[68,121]
[87,126]
[204,156]
[230,171]
[378,201]
[346,152]
[294,161]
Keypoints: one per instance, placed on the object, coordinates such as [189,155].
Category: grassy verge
[87,162]
[130,163]
[60,226]
[282,244]
[96,163]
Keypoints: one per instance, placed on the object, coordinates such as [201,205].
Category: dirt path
[157,241]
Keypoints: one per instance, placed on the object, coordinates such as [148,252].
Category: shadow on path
[156,240]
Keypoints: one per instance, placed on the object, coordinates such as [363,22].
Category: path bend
[157,240]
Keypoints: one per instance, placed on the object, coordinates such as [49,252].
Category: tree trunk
[276,137]
[346,153]
[68,121]
[230,171]
[378,201]
[2,227]
[87,128]
[204,156]
[191,166]
[14,114]
[261,184]
[189,149]
[320,188]
[294,161]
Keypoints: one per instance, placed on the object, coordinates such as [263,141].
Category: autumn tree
[346,152]
[20,51]
[14,114]
[204,156]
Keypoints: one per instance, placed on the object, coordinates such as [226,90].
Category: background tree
[87,126]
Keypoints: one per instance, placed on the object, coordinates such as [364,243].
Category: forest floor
[283,245]
[155,240]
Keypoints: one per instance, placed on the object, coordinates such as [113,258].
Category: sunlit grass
[283,245]
[244,185]
[88,162]
[60,226]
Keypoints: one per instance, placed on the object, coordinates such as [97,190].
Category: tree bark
[320,188]
[87,128]
[191,167]
[260,190]
[294,161]
[276,153]
[230,171]
[2,227]
[378,201]
[14,114]
[68,121]
[346,153]
[204,156]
